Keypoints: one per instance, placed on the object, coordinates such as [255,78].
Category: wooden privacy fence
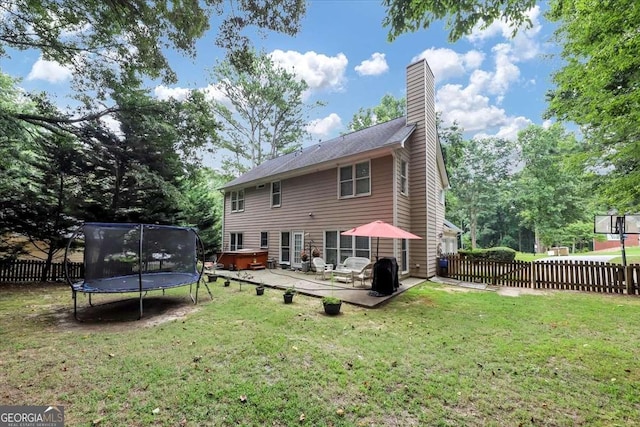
[589,276]
[31,271]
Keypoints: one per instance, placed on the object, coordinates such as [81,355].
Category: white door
[298,246]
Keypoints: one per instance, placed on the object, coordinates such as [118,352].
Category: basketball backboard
[610,224]
[632,224]
[605,224]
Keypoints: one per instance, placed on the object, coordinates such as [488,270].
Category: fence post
[629,280]
[532,275]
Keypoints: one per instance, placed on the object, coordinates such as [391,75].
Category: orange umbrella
[380,229]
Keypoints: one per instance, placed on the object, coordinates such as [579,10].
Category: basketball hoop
[620,225]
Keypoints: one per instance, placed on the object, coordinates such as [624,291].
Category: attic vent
[259,186]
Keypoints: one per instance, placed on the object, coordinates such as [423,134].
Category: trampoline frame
[81,286]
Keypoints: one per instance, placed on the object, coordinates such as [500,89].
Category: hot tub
[243,259]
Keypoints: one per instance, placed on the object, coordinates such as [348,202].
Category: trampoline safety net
[165,255]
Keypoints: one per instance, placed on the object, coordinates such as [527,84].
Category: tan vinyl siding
[423,173]
[315,193]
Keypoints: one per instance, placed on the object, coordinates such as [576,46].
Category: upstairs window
[355,180]
[237,201]
[404,181]
[276,193]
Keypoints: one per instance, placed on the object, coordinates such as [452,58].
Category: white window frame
[354,180]
[404,177]
[237,201]
[278,193]
[404,255]
[342,251]
[264,244]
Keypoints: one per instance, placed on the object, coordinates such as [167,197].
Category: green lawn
[431,356]
[632,253]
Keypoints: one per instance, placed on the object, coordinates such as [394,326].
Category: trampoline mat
[150,282]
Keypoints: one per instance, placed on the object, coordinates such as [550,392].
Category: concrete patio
[307,284]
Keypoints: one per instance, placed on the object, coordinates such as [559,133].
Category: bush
[500,253]
[472,253]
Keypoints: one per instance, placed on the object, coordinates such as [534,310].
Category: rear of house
[392,171]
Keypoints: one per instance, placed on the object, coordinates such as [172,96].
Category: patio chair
[353,268]
[365,273]
[321,267]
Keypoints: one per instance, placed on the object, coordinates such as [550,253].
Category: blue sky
[487,82]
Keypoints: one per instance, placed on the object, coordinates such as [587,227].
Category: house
[613,242]
[449,239]
[392,171]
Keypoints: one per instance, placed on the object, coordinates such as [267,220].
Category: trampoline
[124,258]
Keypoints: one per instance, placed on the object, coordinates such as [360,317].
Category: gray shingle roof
[372,138]
[452,226]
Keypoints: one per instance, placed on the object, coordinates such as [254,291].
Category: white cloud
[374,66]
[505,28]
[317,70]
[471,110]
[446,63]
[323,127]
[112,124]
[49,71]
[213,92]
[163,93]
[506,71]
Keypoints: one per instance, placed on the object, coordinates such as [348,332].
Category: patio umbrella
[380,229]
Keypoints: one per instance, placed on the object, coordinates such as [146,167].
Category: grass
[431,356]
[632,254]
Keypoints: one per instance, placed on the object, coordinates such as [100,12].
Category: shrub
[472,253]
[500,253]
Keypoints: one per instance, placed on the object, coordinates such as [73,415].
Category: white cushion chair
[322,268]
[353,268]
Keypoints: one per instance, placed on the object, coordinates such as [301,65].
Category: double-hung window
[404,181]
[338,247]
[264,239]
[235,241]
[355,180]
[276,194]
[237,201]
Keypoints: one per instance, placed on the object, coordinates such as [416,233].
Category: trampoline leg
[90,303]
[75,306]
[208,290]
[140,306]
[194,300]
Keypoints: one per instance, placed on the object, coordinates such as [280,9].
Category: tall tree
[389,108]
[202,206]
[550,192]
[39,182]
[134,173]
[478,178]
[461,16]
[265,117]
[99,38]
[599,88]
[15,152]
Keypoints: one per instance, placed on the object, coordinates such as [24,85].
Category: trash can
[443,266]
